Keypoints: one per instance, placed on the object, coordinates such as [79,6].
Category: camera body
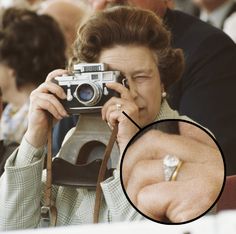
[86,88]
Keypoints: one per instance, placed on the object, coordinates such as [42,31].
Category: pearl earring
[164,94]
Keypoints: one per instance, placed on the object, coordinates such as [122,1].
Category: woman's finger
[111,115]
[111,102]
[55,102]
[49,87]
[178,201]
[196,133]
[159,144]
[121,89]
[148,172]
[163,200]
[144,173]
[55,73]
[47,106]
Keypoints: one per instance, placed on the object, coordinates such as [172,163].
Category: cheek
[154,103]
[152,98]
[3,83]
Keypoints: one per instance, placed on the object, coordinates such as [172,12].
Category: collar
[217,17]
[166,112]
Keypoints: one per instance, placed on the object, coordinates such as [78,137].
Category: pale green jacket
[21,192]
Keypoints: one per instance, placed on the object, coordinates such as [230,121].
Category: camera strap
[102,172]
[48,211]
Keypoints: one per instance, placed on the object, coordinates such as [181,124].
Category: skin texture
[199,180]
[8,87]
[135,101]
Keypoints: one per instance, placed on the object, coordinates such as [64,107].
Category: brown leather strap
[102,173]
[48,211]
[48,190]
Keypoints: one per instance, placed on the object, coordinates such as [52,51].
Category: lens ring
[88,94]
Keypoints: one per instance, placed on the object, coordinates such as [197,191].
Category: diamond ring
[171,166]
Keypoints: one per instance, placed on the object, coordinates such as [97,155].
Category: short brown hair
[32,45]
[129,26]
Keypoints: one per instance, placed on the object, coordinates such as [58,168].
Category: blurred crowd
[219,13]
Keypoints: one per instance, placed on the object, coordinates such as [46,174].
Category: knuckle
[113,99]
[47,105]
[55,73]
[50,75]
[52,97]
[47,83]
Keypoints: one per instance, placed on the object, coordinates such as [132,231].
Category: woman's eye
[140,78]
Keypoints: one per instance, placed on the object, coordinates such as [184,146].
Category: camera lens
[88,94]
[85,92]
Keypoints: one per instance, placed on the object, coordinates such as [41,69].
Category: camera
[86,87]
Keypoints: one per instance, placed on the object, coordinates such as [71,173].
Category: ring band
[118,107]
[171,166]
[176,171]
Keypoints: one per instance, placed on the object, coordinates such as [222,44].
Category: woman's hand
[44,101]
[110,113]
[198,183]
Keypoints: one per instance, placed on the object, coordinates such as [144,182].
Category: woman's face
[138,65]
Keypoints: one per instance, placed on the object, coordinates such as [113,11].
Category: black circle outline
[156,122]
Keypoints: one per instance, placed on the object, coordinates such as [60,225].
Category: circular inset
[173,171]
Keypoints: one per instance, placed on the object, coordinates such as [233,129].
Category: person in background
[184,5]
[230,27]
[69,16]
[30,47]
[23,4]
[206,91]
[214,12]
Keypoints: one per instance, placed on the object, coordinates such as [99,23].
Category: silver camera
[86,88]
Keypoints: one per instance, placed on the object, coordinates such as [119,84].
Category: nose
[133,89]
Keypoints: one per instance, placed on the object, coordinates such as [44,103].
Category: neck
[20,96]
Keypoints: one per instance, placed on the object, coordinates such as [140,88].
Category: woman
[27,54]
[132,41]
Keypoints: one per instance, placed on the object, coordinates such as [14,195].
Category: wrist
[35,138]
